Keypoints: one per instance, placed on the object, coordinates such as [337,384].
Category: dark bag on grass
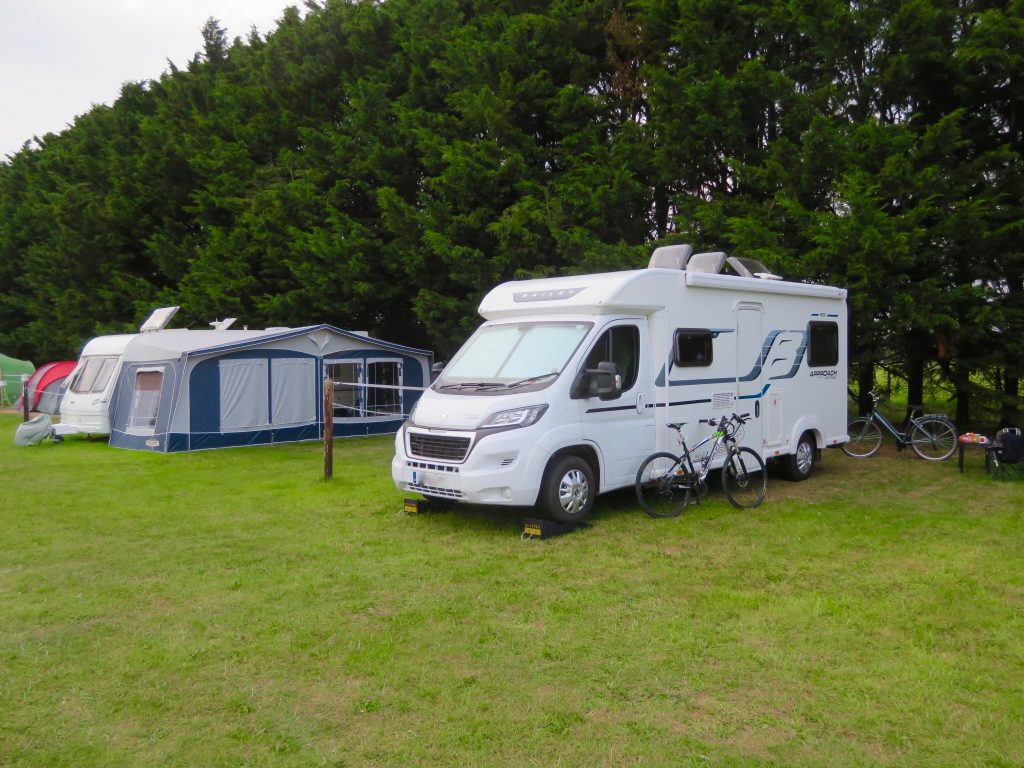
[1012,449]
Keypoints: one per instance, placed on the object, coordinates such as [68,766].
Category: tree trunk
[915,384]
[865,383]
[963,406]
[1009,411]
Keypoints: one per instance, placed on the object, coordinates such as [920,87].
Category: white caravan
[568,386]
[85,407]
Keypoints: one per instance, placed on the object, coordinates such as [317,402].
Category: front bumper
[502,468]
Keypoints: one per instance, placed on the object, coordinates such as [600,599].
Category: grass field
[230,608]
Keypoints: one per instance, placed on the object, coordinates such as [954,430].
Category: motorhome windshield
[513,356]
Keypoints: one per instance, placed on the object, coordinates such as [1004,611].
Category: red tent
[45,386]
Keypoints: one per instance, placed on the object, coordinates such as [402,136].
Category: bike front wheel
[663,485]
[865,438]
[743,478]
[933,439]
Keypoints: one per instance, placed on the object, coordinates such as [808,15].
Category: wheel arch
[588,453]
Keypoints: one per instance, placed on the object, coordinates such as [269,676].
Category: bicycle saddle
[678,425]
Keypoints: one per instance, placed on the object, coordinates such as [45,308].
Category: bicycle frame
[903,439]
[686,457]
[881,419]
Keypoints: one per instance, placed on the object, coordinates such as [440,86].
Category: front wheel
[743,478]
[933,439]
[567,494]
[865,438]
[662,486]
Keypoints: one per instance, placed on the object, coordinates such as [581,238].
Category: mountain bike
[665,482]
[931,435]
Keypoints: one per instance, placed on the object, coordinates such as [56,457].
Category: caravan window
[293,391]
[380,399]
[146,399]
[94,375]
[822,344]
[692,348]
[347,377]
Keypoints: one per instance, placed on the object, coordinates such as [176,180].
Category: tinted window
[693,348]
[823,344]
[619,345]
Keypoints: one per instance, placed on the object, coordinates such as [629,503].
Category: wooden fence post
[328,429]
[25,405]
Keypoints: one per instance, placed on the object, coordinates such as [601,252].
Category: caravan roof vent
[745,267]
[158,320]
[670,257]
[706,262]
[223,325]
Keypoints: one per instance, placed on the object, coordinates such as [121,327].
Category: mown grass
[230,608]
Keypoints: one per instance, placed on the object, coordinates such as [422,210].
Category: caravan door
[621,429]
[750,354]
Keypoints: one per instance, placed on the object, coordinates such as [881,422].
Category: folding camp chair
[1004,459]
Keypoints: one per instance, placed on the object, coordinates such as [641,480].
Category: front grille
[431,490]
[440,447]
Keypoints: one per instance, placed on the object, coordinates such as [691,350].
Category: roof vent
[751,268]
[670,257]
[158,320]
[710,263]
[223,325]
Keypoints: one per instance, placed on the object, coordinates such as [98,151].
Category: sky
[60,57]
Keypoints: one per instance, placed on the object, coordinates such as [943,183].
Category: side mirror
[435,371]
[604,382]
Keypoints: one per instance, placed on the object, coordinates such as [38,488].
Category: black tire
[659,489]
[799,465]
[567,494]
[865,438]
[744,479]
[933,439]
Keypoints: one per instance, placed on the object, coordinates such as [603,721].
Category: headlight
[517,417]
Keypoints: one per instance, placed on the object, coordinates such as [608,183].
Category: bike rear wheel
[865,438]
[933,439]
[743,478]
[663,485]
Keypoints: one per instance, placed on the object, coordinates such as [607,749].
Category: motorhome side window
[619,345]
[823,344]
[692,348]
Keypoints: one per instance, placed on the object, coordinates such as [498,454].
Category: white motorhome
[568,385]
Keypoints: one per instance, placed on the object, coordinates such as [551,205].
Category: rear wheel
[568,491]
[933,439]
[662,486]
[799,464]
[743,478]
[865,438]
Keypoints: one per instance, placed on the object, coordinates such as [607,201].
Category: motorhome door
[750,342]
[622,429]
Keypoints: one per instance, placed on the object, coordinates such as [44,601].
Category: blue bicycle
[931,435]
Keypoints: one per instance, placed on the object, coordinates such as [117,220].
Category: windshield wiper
[531,380]
[473,385]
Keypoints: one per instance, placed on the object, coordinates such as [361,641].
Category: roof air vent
[751,268]
[670,257]
[710,263]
